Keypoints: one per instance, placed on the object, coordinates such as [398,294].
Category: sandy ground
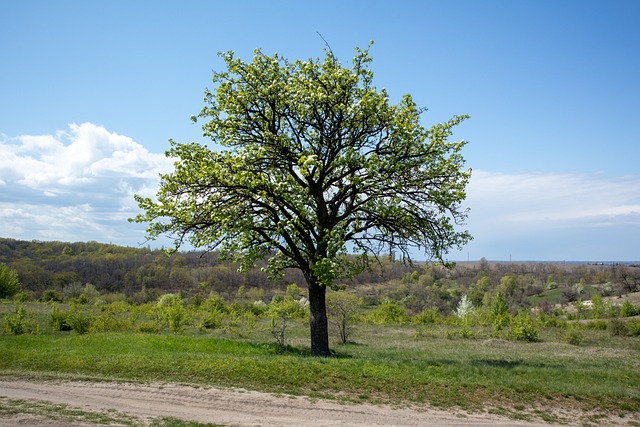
[228,407]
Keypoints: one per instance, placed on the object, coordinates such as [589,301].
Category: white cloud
[555,215]
[78,185]
[552,199]
[75,185]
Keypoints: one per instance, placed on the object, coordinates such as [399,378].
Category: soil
[228,407]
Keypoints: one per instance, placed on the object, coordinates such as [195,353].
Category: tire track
[233,407]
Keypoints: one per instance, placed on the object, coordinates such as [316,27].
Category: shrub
[498,305]
[568,295]
[607,289]
[598,325]
[49,295]
[9,281]
[149,327]
[574,336]
[628,309]
[501,321]
[212,319]
[58,319]
[465,307]
[72,291]
[171,312]
[633,327]
[617,328]
[427,316]
[19,323]
[107,322]
[281,312]
[387,313]
[79,321]
[549,321]
[522,328]
[597,307]
[22,297]
[465,332]
[341,307]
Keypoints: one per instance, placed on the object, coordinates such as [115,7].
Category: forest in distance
[142,274]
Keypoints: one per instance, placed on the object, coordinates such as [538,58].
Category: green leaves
[315,163]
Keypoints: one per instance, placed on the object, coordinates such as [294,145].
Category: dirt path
[229,407]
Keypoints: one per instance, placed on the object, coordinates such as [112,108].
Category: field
[442,364]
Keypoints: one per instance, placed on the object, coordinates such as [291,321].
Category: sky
[91,92]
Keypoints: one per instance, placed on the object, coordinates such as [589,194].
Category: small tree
[315,162]
[9,281]
[465,307]
[282,311]
[341,306]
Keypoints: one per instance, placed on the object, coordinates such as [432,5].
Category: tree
[315,163]
[9,281]
[342,306]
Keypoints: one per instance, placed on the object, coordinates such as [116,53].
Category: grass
[9,407]
[403,365]
[386,365]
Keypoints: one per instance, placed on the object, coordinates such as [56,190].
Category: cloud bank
[78,185]
[75,185]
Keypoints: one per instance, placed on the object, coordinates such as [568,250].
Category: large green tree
[314,169]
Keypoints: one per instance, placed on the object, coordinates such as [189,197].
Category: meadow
[556,368]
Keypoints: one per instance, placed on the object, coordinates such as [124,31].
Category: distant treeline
[143,273]
[111,268]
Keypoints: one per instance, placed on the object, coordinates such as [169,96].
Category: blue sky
[92,90]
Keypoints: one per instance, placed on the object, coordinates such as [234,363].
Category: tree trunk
[318,319]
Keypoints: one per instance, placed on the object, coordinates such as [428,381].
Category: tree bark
[318,320]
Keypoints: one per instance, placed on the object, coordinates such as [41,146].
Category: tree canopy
[312,164]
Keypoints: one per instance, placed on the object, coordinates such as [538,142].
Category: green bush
[522,328]
[387,313]
[9,281]
[79,321]
[149,327]
[498,305]
[617,328]
[634,327]
[628,309]
[107,322]
[549,321]
[466,332]
[22,297]
[213,318]
[58,320]
[598,325]
[341,308]
[281,312]
[172,313]
[573,336]
[427,316]
[501,321]
[20,323]
[50,295]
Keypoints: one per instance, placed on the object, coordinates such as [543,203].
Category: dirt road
[229,407]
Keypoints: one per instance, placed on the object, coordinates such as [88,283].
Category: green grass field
[417,365]
[385,365]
